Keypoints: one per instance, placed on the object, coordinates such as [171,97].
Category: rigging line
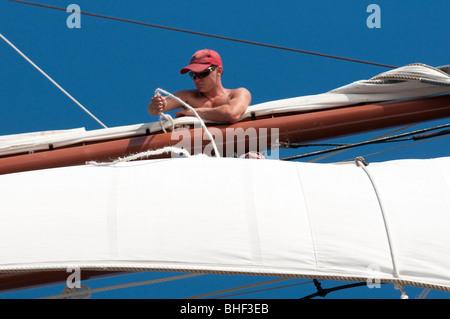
[237,288]
[266,289]
[372,141]
[207,35]
[338,148]
[400,147]
[133,284]
[424,293]
[51,80]
[299,145]
[380,136]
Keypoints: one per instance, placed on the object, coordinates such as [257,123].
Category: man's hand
[157,105]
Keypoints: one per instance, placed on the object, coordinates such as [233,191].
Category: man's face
[206,80]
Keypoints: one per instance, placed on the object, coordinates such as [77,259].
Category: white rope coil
[195,113]
[167,149]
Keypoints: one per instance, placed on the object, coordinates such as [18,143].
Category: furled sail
[387,221]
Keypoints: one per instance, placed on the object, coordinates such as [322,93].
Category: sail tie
[364,165]
[402,289]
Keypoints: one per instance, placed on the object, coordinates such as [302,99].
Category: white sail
[226,215]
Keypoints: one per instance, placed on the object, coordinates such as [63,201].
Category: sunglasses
[201,75]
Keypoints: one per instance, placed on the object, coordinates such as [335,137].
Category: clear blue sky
[113,69]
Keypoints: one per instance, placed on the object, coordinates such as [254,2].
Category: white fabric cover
[233,216]
[401,83]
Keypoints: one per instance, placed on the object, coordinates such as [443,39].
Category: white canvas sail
[226,215]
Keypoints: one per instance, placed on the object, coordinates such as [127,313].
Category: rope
[400,147]
[167,149]
[434,82]
[237,288]
[246,287]
[393,138]
[424,293]
[401,77]
[381,79]
[195,113]
[402,289]
[383,213]
[134,284]
[48,77]
[168,118]
[380,136]
[266,289]
[207,35]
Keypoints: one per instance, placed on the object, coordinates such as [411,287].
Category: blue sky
[113,69]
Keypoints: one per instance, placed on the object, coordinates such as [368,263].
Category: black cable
[299,145]
[394,138]
[428,135]
[205,34]
[322,292]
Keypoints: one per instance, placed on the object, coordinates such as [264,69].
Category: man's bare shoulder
[240,92]
[242,96]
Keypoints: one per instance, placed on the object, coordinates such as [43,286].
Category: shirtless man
[210,100]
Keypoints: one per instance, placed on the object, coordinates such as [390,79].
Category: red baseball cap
[201,60]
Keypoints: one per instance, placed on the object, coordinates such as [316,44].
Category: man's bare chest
[204,102]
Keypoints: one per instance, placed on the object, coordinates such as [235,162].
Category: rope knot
[169,119]
[402,289]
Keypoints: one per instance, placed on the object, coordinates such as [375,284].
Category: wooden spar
[295,128]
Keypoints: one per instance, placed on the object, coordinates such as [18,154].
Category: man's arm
[228,113]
